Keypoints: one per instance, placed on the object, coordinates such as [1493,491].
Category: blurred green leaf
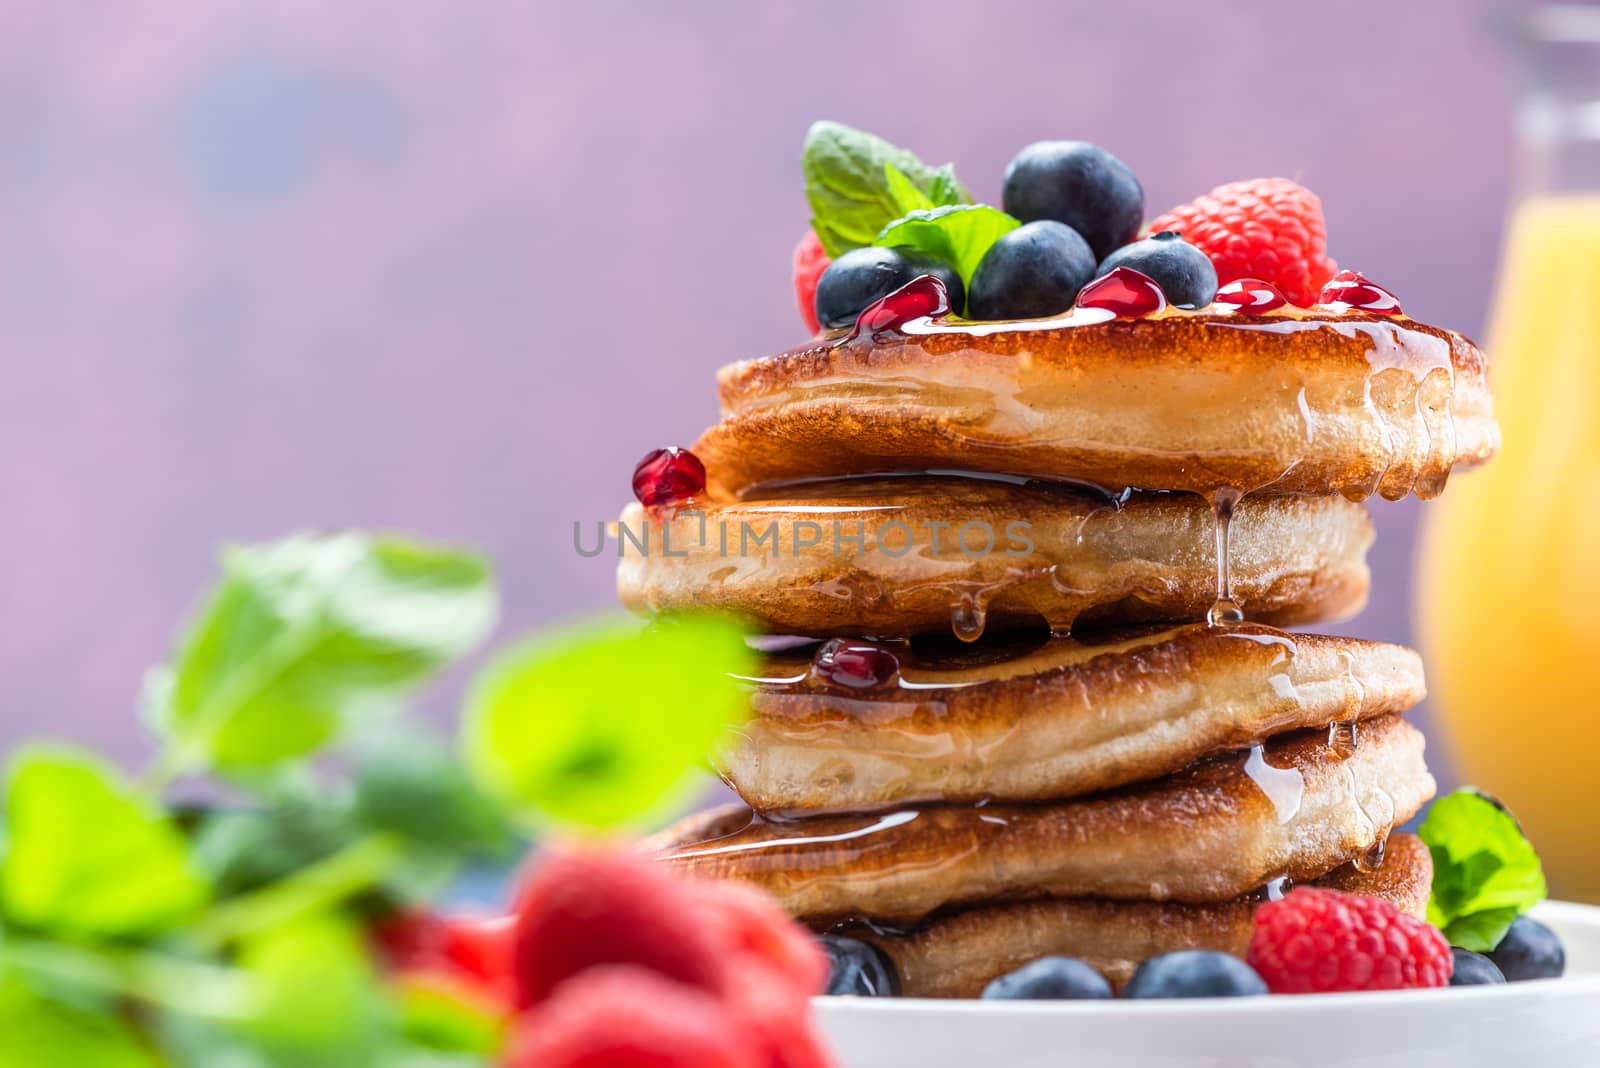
[88,856]
[302,631]
[39,1033]
[412,785]
[316,989]
[598,725]
[435,1018]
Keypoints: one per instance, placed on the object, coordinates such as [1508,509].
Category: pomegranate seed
[919,298]
[1351,289]
[1251,296]
[858,665]
[1125,293]
[668,475]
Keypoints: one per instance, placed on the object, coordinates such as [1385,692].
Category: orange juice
[1510,591]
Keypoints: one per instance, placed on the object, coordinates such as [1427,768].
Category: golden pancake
[1296,807]
[1299,400]
[957,955]
[1049,720]
[901,556]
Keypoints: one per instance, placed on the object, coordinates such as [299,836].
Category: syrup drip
[1284,787]
[1344,738]
[1225,612]
[969,618]
[1372,859]
[1277,889]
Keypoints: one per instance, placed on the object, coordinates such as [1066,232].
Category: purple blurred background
[452,269]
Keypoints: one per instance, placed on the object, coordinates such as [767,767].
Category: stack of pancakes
[1055,552]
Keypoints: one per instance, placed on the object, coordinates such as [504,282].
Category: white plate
[1553,1023]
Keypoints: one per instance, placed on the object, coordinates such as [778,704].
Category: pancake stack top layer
[1032,700]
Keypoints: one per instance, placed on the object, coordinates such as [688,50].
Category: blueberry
[1036,269]
[1183,272]
[1050,979]
[859,969]
[1079,184]
[1530,950]
[1194,973]
[1473,969]
[864,275]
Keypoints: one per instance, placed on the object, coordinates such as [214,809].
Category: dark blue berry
[1050,979]
[1194,973]
[1473,969]
[1079,184]
[859,969]
[864,275]
[1184,273]
[1036,269]
[1530,950]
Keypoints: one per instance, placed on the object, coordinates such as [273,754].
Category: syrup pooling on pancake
[1024,717]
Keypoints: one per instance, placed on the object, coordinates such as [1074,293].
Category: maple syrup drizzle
[1226,612]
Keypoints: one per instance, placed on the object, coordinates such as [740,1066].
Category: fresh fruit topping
[1183,272]
[864,276]
[1319,941]
[1473,969]
[1485,872]
[781,1029]
[584,907]
[809,262]
[858,969]
[1050,979]
[858,184]
[666,476]
[1251,296]
[920,298]
[1125,293]
[1194,973]
[1079,184]
[1035,270]
[1350,289]
[959,235]
[629,1017]
[1266,228]
[465,951]
[764,944]
[1529,950]
[856,664]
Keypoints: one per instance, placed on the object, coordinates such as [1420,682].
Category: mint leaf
[959,234]
[417,788]
[316,990]
[302,630]
[851,184]
[436,1017]
[39,1033]
[599,725]
[88,856]
[1485,872]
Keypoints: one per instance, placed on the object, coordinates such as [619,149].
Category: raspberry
[1316,941]
[609,905]
[471,954]
[809,263]
[621,1016]
[778,1025]
[758,937]
[1266,228]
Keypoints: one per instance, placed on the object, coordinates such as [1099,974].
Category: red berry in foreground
[1318,941]
[609,905]
[1351,289]
[668,475]
[1251,296]
[1266,228]
[627,1017]
[856,664]
[762,943]
[919,298]
[1125,293]
[809,263]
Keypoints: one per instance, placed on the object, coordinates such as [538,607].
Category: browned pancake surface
[957,955]
[1301,401]
[1052,720]
[1297,807]
[902,556]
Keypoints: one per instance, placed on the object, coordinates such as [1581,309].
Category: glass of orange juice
[1510,589]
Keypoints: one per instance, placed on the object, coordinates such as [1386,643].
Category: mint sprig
[858,184]
[959,234]
[1485,872]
